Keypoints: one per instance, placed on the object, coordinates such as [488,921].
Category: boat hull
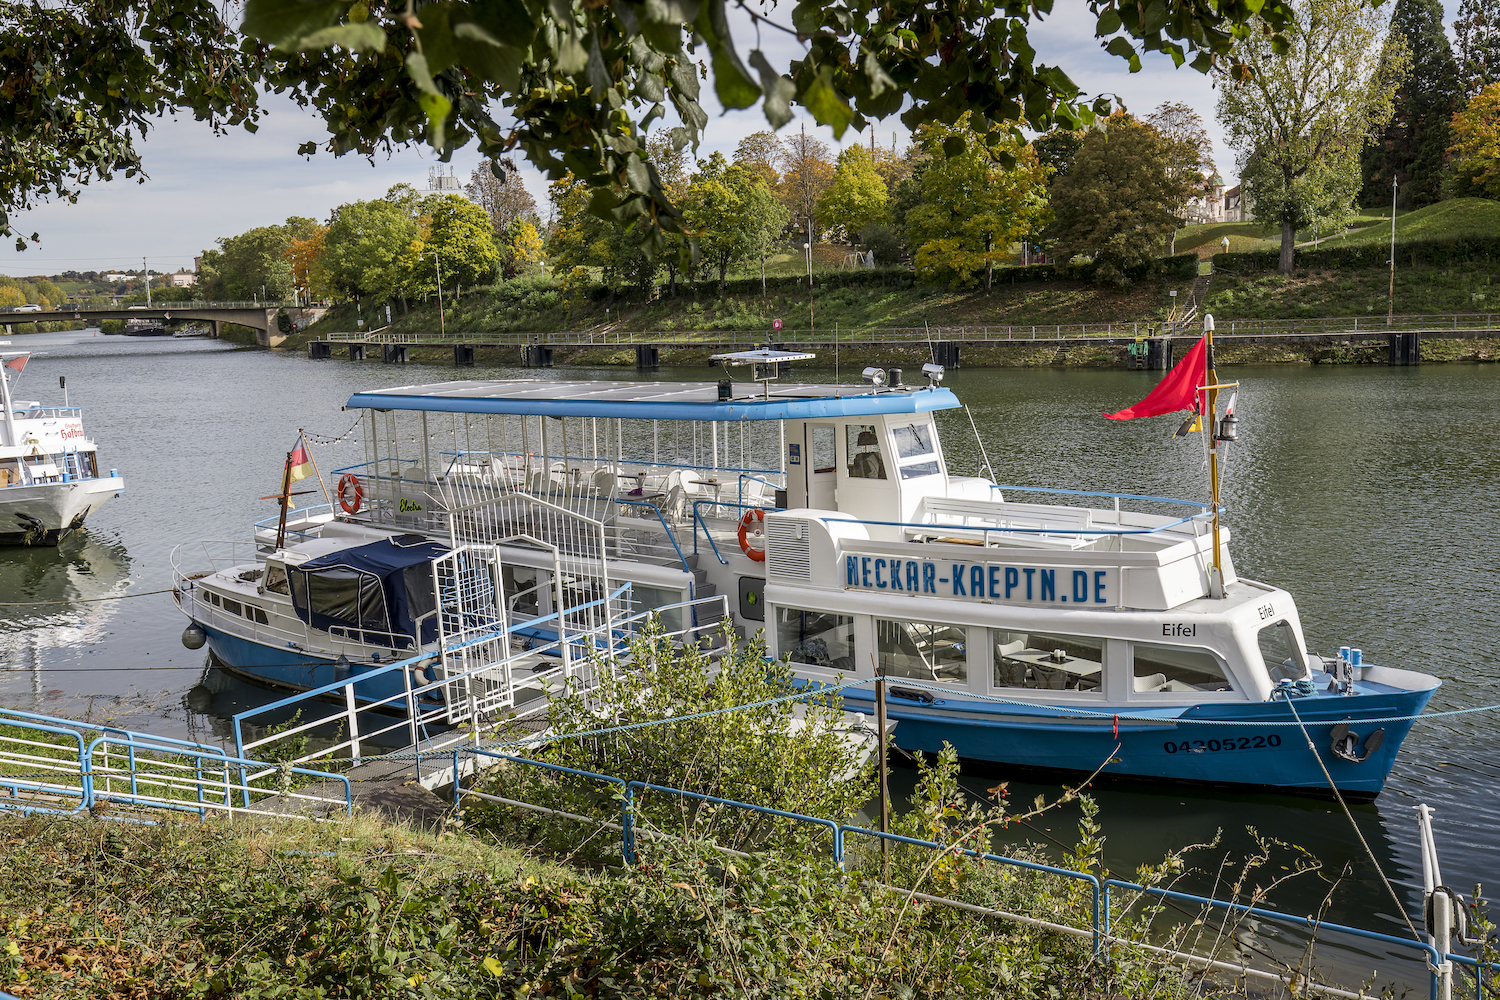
[297,670]
[1243,747]
[44,513]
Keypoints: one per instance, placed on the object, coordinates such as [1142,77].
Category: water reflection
[56,601]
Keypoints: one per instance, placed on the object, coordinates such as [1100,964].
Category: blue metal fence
[1102,891]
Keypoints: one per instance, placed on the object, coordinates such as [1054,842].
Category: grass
[1445,220]
[1363,292]
[1206,238]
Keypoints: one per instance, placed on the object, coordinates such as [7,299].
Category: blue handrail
[664,527]
[698,522]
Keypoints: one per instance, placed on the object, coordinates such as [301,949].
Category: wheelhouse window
[1281,651]
[1046,661]
[643,598]
[922,651]
[342,598]
[915,451]
[1174,669]
[864,452]
[824,453]
[275,581]
[816,638]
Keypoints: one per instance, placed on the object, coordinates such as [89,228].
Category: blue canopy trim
[376,590]
[654,400]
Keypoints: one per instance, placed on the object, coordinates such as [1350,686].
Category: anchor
[1346,743]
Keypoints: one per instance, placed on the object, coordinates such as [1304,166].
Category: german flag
[301,464]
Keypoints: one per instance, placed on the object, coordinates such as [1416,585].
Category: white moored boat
[50,475]
[1036,635]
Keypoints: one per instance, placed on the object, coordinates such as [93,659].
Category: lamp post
[808,247]
[147,271]
[442,325]
[1390,302]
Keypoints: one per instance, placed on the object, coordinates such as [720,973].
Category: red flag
[301,464]
[1178,391]
[18,363]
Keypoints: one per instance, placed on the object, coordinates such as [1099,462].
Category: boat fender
[911,694]
[753,522]
[194,637]
[1345,743]
[351,493]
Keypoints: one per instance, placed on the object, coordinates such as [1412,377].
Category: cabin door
[822,465]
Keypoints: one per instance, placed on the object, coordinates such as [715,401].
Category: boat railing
[700,521]
[217,554]
[48,412]
[639,540]
[419,701]
[267,527]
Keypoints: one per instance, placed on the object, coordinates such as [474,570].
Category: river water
[1372,494]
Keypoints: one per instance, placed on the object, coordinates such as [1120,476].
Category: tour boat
[50,479]
[1035,629]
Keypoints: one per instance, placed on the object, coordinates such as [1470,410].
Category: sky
[202,187]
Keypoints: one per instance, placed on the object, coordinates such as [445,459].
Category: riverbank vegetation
[500,902]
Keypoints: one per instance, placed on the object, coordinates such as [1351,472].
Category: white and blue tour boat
[1025,627]
[50,474]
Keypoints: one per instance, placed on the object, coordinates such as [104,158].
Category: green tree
[363,246]
[761,153]
[733,213]
[10,295]
[1477,28]
[1411,147]
[1299,122]
[1055,151]
[1474,155]
[461,237]
[1190,154]
[805,175]
[1119,200]
[253,265]
[856,197]
[974,205]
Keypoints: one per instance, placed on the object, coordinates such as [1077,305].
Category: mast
[1210,418]
[10,417]
[286,497]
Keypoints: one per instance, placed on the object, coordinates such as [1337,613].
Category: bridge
[262,317]
[1150,344]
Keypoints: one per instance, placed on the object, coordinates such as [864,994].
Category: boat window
[275,581]
[824,453]
[864,452]
[816,638]
[922,651]
[915,451]
[1046,661]
[1171,669]
[522,599]
[256,614]
[1280,651]
[644,599]
[233,607]
[213,598]
[348,596]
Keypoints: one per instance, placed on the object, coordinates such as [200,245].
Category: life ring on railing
[351,494]
[753,521]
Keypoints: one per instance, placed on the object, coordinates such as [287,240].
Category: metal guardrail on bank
[1430,323]
[56,766]
[1103,892]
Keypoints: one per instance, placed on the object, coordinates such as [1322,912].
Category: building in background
[182,279]
[441,183]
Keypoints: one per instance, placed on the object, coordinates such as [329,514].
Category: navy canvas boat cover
[376,592]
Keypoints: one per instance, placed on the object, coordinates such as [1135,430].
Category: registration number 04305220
[1220,746]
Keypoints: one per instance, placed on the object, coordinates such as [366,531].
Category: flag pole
[302,439]
[1211,381]
[286,496]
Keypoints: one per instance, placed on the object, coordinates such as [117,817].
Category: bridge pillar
[393,354]
[1159,353]
[463,354]
[319,349]
[536,356]
[945,353]
[647,356]
[214,324]
[356,352]
[1405,349]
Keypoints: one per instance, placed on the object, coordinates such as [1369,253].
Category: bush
[1462,250]
[884,241]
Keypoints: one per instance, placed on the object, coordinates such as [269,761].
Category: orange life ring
[351,494]
[750,521]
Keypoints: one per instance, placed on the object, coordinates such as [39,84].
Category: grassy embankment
[886,299]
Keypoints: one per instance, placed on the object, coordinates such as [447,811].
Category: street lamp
[808,247]
[1390,302]
[442,325]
